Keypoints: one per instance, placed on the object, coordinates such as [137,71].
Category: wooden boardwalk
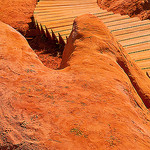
[57,16]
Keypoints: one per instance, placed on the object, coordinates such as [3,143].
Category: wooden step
[135,41]
[133,35]
[130,30]
[128,25]
[54,24]
[142,55]
[69,21]
[73,17]
[65,32]
[138,48]
[64,16]
[67,7]
[68,14]
[122,21]
[65,13]
[64,7]
[143,63]
[59,3]
[65,2]
[114,18]
[60,29]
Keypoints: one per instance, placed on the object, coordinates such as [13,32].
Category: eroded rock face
[140,8]
[90,103]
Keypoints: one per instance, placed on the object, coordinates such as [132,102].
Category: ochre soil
[48,53]
[140,8]
[95,101]
[48,59]
[18,13]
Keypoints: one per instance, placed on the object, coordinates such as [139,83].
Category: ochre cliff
[95,100]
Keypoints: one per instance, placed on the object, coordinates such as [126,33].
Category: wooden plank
[135,40]
[41,3]
[134,35]
[143,64]
[138,48]
[122,21]
[130,30]
[63,11]
[141,55]
[58,16]
[129,25]
[64,7]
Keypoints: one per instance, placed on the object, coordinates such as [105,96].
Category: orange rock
[140,8]
[17,13]
[90,103]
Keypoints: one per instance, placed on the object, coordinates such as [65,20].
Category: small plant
[23,124]
[83,104]
[66,87]
[50,96]
[76,131]
[29,70]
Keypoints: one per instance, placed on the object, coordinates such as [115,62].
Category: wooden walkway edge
[54,19]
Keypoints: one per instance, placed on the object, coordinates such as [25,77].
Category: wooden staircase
[54,18]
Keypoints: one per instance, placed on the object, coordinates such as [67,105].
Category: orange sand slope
[131,33]
[89,104]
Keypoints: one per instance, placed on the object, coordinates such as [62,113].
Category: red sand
[48,59]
